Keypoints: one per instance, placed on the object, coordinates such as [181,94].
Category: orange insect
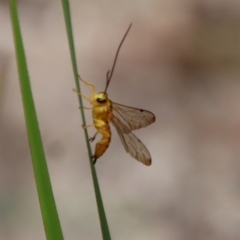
[125,119]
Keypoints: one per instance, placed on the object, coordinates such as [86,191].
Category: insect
[125,119]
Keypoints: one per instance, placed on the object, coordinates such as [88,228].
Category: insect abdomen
[103,144]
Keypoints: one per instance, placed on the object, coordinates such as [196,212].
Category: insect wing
[125,119]
[129,118]
[133,145]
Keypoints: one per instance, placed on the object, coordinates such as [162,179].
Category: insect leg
[89,84]
[91,139]
[80,94]
[87,108]
[87,126]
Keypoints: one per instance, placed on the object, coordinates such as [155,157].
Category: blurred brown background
[181,60]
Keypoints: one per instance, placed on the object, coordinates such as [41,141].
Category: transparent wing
[132,144]
[129,118]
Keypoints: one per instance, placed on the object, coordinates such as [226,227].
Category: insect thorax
[102,107]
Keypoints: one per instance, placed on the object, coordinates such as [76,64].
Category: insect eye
[101,100]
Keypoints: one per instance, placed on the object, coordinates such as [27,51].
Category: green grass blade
[48,208]
[101,212]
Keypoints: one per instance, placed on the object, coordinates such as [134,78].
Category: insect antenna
[107,77]
[110,72]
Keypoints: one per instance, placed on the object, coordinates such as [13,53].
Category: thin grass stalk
[48,208]
[101,212]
